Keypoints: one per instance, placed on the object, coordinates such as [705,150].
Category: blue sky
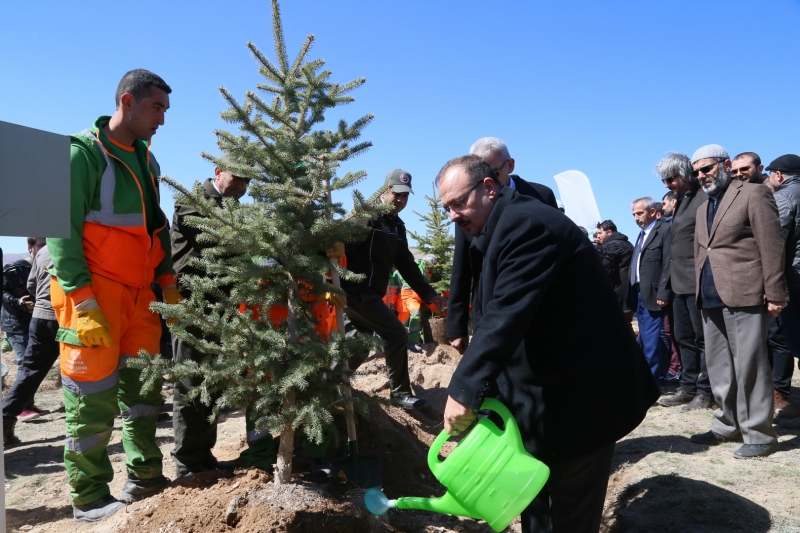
[602,87]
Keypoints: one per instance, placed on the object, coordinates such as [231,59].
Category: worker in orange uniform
[118,244]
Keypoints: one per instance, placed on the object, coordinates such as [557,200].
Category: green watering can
[488,476]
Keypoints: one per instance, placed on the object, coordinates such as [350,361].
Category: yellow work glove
[335,252]
[172,296]
[92,327]
[336,299]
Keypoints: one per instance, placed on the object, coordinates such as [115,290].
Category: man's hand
[27,302]
[460,344]
[172,296]
[662,303]
[457,416]
[92,327]
[339,300]
[335,252]
[440,302]
[774,307]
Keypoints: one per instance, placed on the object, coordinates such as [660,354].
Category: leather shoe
[136,489]
[411,402]
[679,398]
[700,401]
[712,438]
[97,510]
[780,403]
[747,451]
[788,413]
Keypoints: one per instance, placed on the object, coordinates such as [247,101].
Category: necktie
[637,251]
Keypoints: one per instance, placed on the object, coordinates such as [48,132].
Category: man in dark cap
[386,246]
[784,179]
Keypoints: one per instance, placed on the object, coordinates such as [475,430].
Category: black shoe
[673,378]
[9,437]
[96,510]
[700,401]
[712,438]
[679,398]
[413,347]
[411,402]
[136,489]
[319,464]
[748,451]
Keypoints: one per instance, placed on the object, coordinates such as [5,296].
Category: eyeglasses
[459,204]
[497,170]
[671,179]
[741,170]
[706,169]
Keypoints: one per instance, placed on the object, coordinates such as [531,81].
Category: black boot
[9,438]
[136,489]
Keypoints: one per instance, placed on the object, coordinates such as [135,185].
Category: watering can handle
[489,403]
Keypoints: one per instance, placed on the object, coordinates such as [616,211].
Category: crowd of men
[520,267]
[714,281]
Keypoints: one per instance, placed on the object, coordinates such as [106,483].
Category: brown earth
[660,481]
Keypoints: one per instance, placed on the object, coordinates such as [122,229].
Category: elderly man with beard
[737,229]
[532,269]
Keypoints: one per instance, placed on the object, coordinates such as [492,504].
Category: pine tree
[267,252]
[438,241]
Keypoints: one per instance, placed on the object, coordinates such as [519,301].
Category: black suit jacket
[461,274]
[679,277]
[653,268]
[549,331]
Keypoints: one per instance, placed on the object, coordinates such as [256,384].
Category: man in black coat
[646,286]
[616,252]
[495,152]
[546,324]
[677,175]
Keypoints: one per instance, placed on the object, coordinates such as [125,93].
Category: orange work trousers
[133,327]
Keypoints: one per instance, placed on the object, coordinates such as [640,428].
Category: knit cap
[710,150]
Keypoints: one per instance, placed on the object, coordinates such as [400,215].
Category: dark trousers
[650,324]
[367,314]
[572,501]
[691,341]
[791,324]
[780,357]
[195,436]
[672,346]
[37,360]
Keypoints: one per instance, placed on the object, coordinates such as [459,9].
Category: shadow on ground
[647,506]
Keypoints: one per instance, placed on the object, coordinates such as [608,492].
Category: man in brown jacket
[737,230]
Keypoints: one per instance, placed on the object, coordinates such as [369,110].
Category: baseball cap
[789,163]
[400,180]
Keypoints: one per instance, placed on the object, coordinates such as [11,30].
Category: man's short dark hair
[754,156]
[475,167]
[138,82]
[669,196]
[607,225]
[32,241]
[660,207]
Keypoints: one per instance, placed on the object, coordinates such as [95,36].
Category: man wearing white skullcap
[737,230]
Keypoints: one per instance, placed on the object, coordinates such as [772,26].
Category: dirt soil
[660,481]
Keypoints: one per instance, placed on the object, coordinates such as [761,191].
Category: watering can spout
[444,505]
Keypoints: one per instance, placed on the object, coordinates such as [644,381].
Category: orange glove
[335,252]
[92,327]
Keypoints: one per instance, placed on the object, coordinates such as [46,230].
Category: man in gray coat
[784,177]
[737,229]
